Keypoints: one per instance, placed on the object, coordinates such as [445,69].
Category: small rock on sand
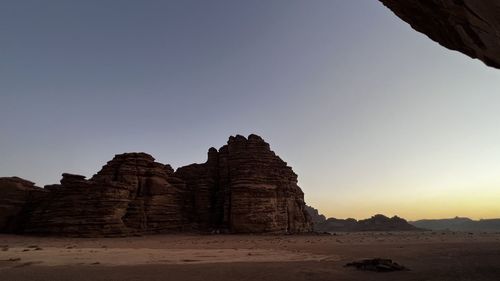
[377,264]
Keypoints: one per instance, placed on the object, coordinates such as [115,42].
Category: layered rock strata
[131,194]
[246,187]
[242,188]
[17,199]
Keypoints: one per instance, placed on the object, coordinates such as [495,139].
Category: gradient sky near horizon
[373,116]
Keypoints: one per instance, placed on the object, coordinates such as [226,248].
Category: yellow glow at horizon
[480,201]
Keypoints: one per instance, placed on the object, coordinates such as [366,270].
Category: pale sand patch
[52,256]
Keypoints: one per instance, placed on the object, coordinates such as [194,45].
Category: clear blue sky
[373,116]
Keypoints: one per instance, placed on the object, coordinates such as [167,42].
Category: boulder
[377,265]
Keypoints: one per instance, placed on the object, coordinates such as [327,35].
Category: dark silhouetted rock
[17,197]
[316,217]
[245,188]
[158,198]
[131,194]
[242,188]
[383,223]
[469,26]
[460,224]
[202,182]
[377,264]
[375,223]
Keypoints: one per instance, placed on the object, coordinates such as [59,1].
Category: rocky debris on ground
[377,264]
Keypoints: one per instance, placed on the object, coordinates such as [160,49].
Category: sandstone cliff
[469,26]
[131,194]
[242,188]
[17,199]
[245,187]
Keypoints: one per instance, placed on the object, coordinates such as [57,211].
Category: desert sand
[428,255]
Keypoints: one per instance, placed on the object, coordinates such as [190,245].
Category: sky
[373,116]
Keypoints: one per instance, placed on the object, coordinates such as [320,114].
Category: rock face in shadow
[383,223]
[375,223]
[157,198]
[460,224]
[17,198]
[201,181]
[242,188]
[131,194]
[316,217]
[469,26]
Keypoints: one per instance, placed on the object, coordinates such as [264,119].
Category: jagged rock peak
[253,138]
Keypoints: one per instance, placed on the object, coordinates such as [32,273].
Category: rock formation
[469,26]
[375,223]
[245,187]
[131,194]
[316,217]
[201,181]
[377,264]
[242,188]
[460,224]
[17,198]
[383,223]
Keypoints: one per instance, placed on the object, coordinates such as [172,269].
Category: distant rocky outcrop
[316,217]
[460,224]
[375,223]
[469,26]
[242,188]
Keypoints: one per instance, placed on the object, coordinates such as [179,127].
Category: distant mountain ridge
[459,224]
[375,223]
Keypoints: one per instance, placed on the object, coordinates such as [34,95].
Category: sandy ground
[428,255]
